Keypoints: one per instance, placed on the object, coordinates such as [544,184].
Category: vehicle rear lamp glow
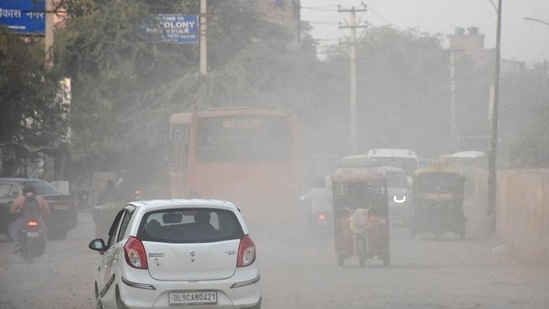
[321,217]
[32,223]
[135,254]
[246,252]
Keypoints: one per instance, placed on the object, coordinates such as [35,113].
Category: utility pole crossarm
[352,27]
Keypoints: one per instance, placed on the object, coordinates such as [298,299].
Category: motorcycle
[321,222]
[33,241]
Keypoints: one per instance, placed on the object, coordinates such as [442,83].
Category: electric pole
[49,33]
[352,55]
[203,44]
[453,94]
[492,175]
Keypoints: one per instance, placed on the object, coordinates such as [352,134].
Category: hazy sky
[522,40]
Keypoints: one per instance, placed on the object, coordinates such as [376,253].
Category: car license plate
[193,298]
[33,234]
[61,207]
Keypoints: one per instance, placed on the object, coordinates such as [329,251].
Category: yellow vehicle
[437,199]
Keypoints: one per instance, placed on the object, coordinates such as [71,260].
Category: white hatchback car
[166,253]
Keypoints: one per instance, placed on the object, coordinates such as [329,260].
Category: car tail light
[321,217]
[32,223]
[246,252]
[135,253]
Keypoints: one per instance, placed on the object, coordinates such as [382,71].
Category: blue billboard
[24,16]
[174,28]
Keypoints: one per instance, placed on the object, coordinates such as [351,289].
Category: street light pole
[492,175]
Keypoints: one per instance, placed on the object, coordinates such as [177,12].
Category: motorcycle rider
[318,200]
[19,207]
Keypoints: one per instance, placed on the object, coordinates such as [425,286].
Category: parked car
[166,253]
[63,213]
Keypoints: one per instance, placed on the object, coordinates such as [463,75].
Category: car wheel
[98,303]
[119,302]
[462,232]
[412,232]
[361,261]
[340,260]
[257,306]
[387,259]
[6,231]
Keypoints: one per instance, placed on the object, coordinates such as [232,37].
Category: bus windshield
[409,165]
[244,138]
[396,179]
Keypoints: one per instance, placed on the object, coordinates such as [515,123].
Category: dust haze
[423,74]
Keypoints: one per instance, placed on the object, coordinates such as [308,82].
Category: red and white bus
[246,156]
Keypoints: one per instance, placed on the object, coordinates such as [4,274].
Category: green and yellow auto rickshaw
[360,210]
[437,198]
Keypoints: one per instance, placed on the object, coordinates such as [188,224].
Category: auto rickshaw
[360,210]
[437,199]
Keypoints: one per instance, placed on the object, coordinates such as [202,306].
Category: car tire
[462,232]
[387,259]
[362,261]
[257,306]
[340,260]
[413,232]
[98,303]
[119,302]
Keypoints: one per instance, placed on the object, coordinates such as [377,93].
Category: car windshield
[409,165]
[189,225]
[396,179]
[42,187]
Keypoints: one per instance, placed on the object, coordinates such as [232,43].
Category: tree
[525,118]
[32,105]
[125,87]
[402,90]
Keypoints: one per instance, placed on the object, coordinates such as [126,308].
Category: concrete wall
[522,213]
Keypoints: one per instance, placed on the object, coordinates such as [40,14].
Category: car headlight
[399,200]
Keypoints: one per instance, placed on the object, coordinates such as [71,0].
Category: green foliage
[32,108]
[125,88]
[523,122]
[401,74]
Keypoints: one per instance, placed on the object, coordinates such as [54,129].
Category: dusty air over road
[299,271]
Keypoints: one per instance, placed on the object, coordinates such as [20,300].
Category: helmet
[29,189]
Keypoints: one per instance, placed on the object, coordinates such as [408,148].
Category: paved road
[301,272]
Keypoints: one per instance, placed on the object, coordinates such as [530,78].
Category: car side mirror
[98,245]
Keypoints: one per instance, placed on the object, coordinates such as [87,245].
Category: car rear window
[43,187]
[189,225]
